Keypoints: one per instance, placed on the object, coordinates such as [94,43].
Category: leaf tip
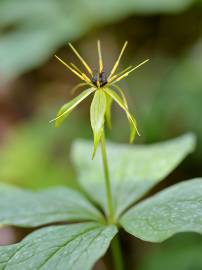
[94,152]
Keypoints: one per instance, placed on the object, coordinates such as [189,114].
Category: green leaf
[73,247]
[108,111]
[97,113]
[134,170]
[123,105]
[68,107]
[29,209]
[176,209]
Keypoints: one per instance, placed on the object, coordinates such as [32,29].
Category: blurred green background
[165,94]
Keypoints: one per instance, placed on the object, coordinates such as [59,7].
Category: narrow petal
[70,68]
[68,107]
[81,59]
[100,56]
[76,68]
[128,72]
[97,113]
[119,74]
[86,78]
[118,60]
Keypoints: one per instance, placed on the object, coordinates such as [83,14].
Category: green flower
[105,91]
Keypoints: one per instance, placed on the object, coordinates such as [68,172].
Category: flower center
[99,79]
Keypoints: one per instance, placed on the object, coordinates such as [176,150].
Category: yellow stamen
[81,59]
[69,67]
[118,60]
[100,56]
[127,73]
[119,74]
[81,73]
[86,79]
[76,68]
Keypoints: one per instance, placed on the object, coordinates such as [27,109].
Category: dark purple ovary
[102,79]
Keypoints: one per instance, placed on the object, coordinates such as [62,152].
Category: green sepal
[69,106]
[132,127]
[97,113]
[108,111]
[121,103]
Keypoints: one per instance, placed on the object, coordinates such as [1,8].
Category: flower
[105,90]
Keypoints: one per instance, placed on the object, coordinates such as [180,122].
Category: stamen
[118,60]
[127,73]
[81,59]
[70,68]
[120,73]
[100,56]
[86,78]
[75,67]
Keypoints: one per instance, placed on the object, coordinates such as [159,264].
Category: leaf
[68,107]
[176,209]
[29,209]
[97,113]
[134,170]
[73,247]
[122,104]
[108,110]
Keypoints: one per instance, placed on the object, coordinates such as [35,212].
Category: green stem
[115,246]
[117,254]
[107,179]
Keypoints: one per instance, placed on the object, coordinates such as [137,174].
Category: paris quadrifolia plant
[78,226]
[104,89]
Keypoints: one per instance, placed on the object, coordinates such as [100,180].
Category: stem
[115,245]
[107,179]
[117,254]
